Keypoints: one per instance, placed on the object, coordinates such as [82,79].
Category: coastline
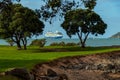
[93,42]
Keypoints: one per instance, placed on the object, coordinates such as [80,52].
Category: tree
[83,22]
[58,8]
[5,3]
[77,20]
[19,23]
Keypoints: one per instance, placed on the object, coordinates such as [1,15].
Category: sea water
[90,42]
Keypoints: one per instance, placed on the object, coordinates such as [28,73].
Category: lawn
[11,58]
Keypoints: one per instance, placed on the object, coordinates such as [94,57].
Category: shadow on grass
[69,49]
[10,64]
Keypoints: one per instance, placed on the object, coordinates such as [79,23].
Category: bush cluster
[10,42]
[64,44]
[39,42]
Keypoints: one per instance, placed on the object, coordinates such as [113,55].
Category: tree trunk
[25,48]
[82,41]
[18,45]
[83,44]
[24,41]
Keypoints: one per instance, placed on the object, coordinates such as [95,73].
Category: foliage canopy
[53,8]
[19,23]
[83,22]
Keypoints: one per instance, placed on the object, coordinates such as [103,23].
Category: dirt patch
[104,66]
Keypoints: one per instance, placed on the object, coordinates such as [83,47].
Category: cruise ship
[54,35]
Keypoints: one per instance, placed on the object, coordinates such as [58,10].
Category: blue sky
[109,10]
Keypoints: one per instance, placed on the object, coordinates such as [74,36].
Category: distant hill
[117,35]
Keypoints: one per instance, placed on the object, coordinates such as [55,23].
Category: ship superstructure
[54,35]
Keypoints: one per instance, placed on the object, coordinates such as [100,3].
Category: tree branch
[86,37]
[13,39]
[80,37]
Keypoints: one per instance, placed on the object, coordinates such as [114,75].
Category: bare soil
[105,66]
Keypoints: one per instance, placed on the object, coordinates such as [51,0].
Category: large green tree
[76,20]
[5,3]
[83,22]
[19,23]
[58,8]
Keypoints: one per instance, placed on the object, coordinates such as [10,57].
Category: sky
[109,10]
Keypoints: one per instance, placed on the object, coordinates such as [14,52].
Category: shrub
[71,44]
[64,44]
[58,44]
[39,42]
[10,42]
[61,43]
[54,44]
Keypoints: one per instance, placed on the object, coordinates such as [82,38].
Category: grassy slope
[11,58]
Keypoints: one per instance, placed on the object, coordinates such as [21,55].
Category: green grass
[11,58]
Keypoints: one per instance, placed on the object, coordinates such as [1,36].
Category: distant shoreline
[94,42]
